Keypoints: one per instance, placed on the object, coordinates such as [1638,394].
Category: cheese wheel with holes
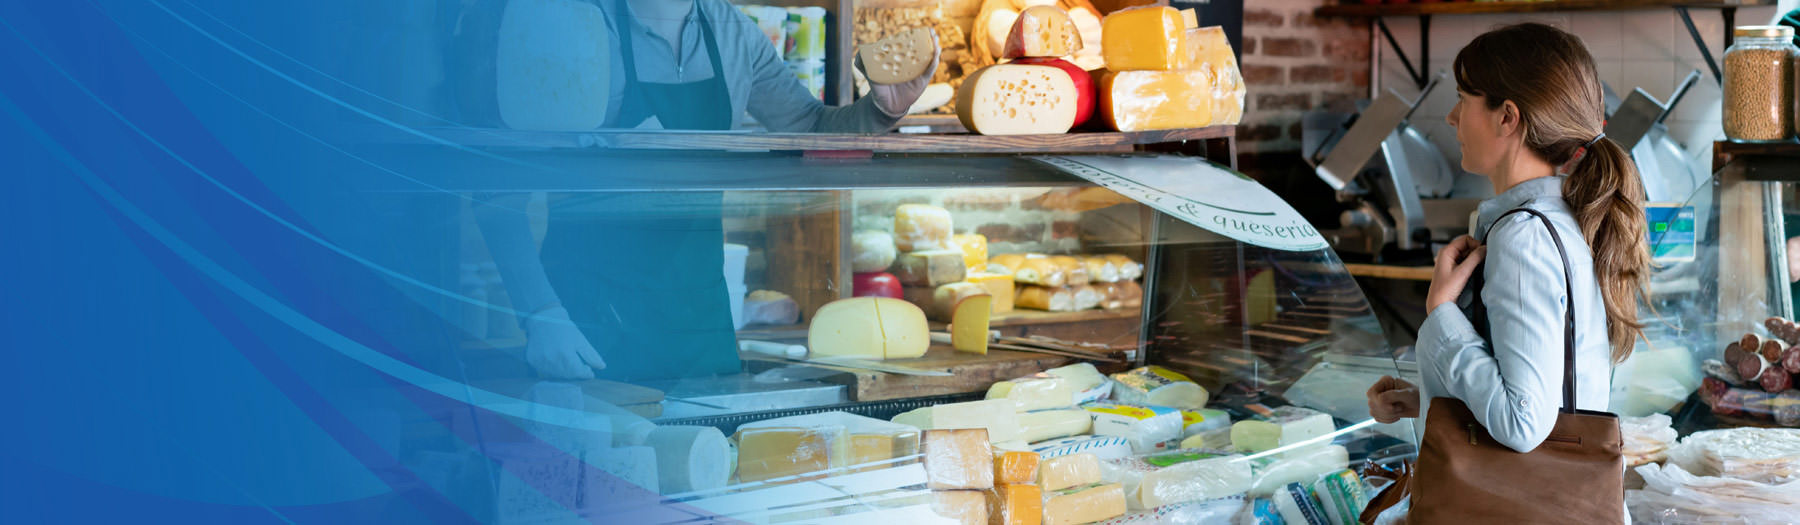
[1153,100]
[1144,38]
[551,65]
[1011,99]
[1042,31]
[899,58]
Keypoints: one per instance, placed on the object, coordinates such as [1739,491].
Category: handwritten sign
[1200,193]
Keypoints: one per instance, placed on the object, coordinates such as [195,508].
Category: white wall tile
[1449,34]
[1612,73]
[1712,29]
[1656,77]
[1601,32]
[1701,102]
[1649,34]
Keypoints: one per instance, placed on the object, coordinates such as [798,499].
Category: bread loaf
[1047,299]
[1074,271]
[1041,272]
[1129,270]
[1101,270]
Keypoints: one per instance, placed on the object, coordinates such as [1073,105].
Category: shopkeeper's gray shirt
[1514,384]
[755,76]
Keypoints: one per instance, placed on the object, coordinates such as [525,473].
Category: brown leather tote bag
[1465,477]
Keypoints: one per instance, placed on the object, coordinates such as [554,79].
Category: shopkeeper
[631,283]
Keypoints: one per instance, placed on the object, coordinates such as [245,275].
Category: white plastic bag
[1671,495]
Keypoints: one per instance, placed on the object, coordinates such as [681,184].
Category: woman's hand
[1391,399]
[1454,266]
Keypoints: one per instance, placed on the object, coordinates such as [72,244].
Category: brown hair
[1550,76]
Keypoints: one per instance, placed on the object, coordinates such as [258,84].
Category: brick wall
[1009,217]
[1293,62]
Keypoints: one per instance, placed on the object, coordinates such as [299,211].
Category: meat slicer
[1379,166]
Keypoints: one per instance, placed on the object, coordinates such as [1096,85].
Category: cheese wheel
[871,251]
[869,328]
[1047,299]
[690,458]
[1041,272]
[1144,38]
[919,227]
[551,65]
[1074,271]
[899,58]
[1042,31]
[1011,99]
[1155,100]
[999,25]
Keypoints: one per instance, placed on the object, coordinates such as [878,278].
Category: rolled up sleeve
[1515,389]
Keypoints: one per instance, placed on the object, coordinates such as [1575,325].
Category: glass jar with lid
[1759,84]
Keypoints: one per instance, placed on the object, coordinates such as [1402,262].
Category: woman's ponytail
[1607,198]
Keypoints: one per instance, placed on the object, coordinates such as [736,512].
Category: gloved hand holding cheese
[899,68]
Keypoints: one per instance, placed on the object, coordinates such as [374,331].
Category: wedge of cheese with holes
[869,328]
[1144,38]
[552,65]
[900,57]
[1150,100]
[1043,31]
[1011,99]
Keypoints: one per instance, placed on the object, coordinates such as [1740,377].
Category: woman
[1529,107]
[630,283]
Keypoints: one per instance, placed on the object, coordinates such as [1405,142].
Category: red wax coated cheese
[1084,84]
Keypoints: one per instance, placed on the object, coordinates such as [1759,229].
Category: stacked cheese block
[1069,283]
[1163,71]
[1037,91]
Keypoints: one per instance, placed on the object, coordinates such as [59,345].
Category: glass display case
[812,337]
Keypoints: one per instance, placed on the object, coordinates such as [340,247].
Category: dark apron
[641,273]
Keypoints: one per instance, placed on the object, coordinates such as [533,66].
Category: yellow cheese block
[1073,470]
[1042,31]
[1000,286]
[869,328]
[969,323]
[1015,99]
[1208,49]
[774,452]
[1084,504]
[1144,38]
[919,227]
[974,247]
[1151,100]
[1015,468]
[1016,505]
[957,459]
[963,507]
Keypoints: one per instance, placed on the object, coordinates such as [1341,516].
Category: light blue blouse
[1512,380]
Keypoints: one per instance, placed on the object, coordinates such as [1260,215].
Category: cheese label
[1102,447]
[1133,412]
[1178,457]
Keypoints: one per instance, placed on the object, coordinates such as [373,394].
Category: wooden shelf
[1013,319]
[1760,161]
[1075,142]
[1382,271]
[1474,8]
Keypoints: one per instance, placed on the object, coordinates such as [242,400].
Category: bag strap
[1568,302]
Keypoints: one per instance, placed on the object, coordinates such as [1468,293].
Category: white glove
[556,348]
[895,99]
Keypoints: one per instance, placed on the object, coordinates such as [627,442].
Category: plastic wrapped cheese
[1041,391]
[1143,38]
[1015,504]
[690,458]
[869,328]
[1301,466]
[871,251]
[1047,299]
[1763,455]
[1286,426]
[1193,422]
[1015,467]
[1073,470]
[770,307]
[957,459]
[772,452]
[1129,270]
[1215,439]
[974,247]
[1149,429]
[870,439]
[963,507]
[551,65]
[1084,504]
[1042,31]
[1158,386]
[1153,100]
[1295,503]
[1101,270]
[1208,50]
[919,227]
[1341,495]
[1043,425]
[995,415]
[1013,99]
[1086,378]
[1179,476]
[1102,447]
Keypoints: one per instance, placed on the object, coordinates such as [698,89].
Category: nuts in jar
[1759,84]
